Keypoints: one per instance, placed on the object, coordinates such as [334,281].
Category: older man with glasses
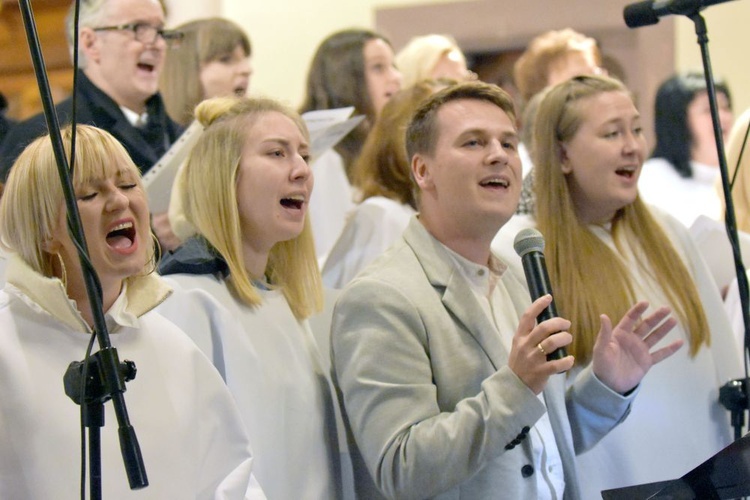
[122,45]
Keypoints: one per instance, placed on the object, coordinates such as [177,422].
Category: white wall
[728,44]
[179,11]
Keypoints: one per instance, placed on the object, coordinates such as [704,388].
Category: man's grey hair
[92,14]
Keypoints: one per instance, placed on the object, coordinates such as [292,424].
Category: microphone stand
[733,395]
[102,377]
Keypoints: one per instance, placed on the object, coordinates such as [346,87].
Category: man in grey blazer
[441,368]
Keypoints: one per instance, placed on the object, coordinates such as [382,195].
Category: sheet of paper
[713,243]
[328,126]
[159,179]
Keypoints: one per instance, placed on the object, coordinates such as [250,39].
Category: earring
[63,271]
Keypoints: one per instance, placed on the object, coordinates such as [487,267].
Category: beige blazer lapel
[457,296]
[461,302]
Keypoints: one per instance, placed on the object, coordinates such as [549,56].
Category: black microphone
[648,12]
[529,245]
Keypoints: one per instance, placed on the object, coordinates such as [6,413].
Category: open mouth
[627,173]
[293,202]
[122,236]
[495,183]
[146,67]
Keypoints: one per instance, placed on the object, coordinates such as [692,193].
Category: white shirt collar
[480,277]
[135,119]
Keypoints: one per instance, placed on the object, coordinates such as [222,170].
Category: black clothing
[145,146]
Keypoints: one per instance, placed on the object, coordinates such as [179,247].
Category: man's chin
[146,87]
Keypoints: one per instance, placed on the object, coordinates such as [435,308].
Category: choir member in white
[606,248]
[190,432]
[248,281]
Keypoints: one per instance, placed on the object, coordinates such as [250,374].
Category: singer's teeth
[122,235]
[495,182]
[124,225]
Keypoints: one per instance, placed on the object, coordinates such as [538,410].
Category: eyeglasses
[146,33]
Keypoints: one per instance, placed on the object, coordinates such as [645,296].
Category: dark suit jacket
[94,107]
[5,126]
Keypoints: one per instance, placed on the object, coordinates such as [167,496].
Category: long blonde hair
[738,164]
[604,285]
[209,196]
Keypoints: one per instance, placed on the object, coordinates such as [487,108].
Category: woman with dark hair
[353,67]
[681,175]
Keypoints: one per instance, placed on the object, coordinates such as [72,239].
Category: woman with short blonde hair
[191,434]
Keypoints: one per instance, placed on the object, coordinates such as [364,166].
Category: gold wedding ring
[541,349]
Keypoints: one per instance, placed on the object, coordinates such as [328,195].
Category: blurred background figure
[122,46]
[5,122]
[554,57]
[353,67]
[212,60]
[551,58]
[188,426]
[681,175]
[247,283]
[382,176]
[432,57]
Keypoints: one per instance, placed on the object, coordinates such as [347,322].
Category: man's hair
[422,132]
[91,14]
[383,169]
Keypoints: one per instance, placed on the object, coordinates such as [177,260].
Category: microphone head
[640,14]
[528,240]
